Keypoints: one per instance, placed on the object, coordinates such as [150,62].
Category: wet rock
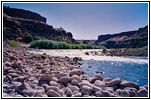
[86,90]
[129,84]
[76,72]
[53,93]
[65,79]
[99,83]
[76,77]
[85,77]
[142,93]
[114,82]
[45,77]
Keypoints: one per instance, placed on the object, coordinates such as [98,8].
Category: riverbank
[40,75]
[87,54]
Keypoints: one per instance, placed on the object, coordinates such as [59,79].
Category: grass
[50,44]
[14,44]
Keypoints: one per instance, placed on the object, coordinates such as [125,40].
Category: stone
[97,77]
[53,93]
[142,93]
[99,83]
[107,79]
[74,82]
[60,75]
[85,82]
[79,94]
[52,88]
[40,95]
[25,89]
[65,79]
[123,93]
[129,84]
[114,82]
[68,92]
[104,94]
[73,88]
[76,72]
[132,91]
[96,88]
[45,77]
[86,90]
[53,83]
[61,92]
[76,77]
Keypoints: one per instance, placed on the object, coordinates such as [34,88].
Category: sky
[89,20]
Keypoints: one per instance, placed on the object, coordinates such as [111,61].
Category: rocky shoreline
[33,75]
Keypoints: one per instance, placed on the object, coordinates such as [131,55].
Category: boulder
[55,88]
[73,88]
[86,90]
[114,82]
[85,82]
[104,94]
[96,88]
[79,94]
[99,83]
[123,93]
[74,82]
[53,93]
[76,72]
[97,77]
[53,83]
[107,79]
[65,79]
[61,92]
[132,91]
[142,93]
[68,92]
[60,75]
[45,77]
[76,77]
[129,84]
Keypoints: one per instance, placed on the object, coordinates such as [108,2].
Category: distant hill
[18,22]
[130,39]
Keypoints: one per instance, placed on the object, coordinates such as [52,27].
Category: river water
[135,72]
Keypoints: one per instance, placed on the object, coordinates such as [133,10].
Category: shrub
[13,43]
[50,44]
[27,38]
[36,38]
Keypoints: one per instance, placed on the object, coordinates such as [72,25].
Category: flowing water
[135,72]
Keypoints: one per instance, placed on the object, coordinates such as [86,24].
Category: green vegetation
[27,38]
[36,38]
[14,44]
[50,44]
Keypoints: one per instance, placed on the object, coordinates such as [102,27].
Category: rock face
[18,23]
[130,39]
[20,13]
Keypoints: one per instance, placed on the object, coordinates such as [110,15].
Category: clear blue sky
[89,20]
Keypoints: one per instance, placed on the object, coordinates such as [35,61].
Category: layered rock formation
[17,23]
[130,39]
